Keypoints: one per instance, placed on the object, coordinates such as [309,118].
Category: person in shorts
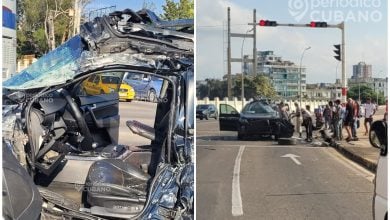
[369,111]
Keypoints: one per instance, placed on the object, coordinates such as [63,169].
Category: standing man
[308,123]
[337,120]
[356,122]
[327,113]
[298,122]
[369,111]
[349,119]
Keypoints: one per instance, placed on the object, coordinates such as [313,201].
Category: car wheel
[240,136]
[201,118]
[129,100]
[101,91]
[152,95]
[287,141]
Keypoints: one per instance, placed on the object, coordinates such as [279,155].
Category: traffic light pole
[341,26]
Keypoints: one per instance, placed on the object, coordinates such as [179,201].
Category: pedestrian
[337,119]
[348,119]
[298,120]
[283,111]
[356,122]
[369,111]
[308,123]
[327,113]
[385,115]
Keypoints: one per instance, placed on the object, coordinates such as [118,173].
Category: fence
[237,104]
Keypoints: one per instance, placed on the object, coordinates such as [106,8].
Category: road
[252,180]
[136,110]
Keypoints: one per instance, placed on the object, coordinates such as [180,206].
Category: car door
[101,112]
[228,118]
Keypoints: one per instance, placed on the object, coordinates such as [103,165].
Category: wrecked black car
[61,156]
[256,118]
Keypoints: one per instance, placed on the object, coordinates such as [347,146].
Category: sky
[366,34]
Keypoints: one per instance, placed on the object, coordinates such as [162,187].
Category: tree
[178,10]
[258,86]
[365,92]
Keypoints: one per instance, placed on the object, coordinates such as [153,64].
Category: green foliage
[365,92]
[253,87]
[31,24]
[178,10]
[258,86]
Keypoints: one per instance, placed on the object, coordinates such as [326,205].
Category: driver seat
[117,186]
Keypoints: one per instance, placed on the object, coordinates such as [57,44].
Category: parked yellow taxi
[126,92]
[101,84]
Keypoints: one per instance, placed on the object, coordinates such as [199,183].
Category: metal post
[229,56]
[343,73]
[254,44]
[300,79]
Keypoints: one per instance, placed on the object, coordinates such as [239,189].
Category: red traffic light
[268,23]
[315,24]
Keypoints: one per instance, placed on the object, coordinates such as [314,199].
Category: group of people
[336,117]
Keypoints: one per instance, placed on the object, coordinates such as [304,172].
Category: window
[227,109]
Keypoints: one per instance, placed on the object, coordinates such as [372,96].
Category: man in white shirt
[369,111]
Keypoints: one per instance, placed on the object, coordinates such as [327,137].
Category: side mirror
[378,136]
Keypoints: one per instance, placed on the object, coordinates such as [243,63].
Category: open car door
[228,118]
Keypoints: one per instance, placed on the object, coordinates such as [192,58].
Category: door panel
[228,118]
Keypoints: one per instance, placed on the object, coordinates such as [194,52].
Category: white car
[378,138]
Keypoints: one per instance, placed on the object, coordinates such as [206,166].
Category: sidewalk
[361,151]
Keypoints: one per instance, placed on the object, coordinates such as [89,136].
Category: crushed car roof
[123,38]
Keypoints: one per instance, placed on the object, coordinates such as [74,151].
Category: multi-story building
[9,38]
[284,75]
[362,71]
[324,91]
[377,84]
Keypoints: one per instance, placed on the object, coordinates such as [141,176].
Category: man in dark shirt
[349,119]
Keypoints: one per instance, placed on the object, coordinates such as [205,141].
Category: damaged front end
[125,40]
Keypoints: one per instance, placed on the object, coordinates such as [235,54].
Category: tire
[240,136]
[129,100]
[287,141]
[152,95]
[201,118]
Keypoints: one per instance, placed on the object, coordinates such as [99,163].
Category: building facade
[9,38]
[362,71]
[284,75]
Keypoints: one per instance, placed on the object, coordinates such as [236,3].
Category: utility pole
[77,17]
[343,73]
[242,59]
[229,57]
[254,44]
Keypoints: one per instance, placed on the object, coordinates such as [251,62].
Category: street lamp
[243,63]
[300,79]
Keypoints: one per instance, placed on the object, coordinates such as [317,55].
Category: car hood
[104,42]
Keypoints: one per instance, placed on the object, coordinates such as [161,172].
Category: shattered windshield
[56,67]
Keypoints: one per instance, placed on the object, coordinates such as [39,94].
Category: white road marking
[254,146]
[236,192]
[293,158]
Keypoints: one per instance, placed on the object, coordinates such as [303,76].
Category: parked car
[62,156]
[146,87]
[256,118]
[126,92]
[378,138]
[101,84]
[206,111]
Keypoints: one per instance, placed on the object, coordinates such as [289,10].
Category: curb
[354,157]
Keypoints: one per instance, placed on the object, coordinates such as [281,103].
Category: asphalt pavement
[136,110]
[259,179]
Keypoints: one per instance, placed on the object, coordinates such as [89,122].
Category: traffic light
[315,24]
[268,23]
[338,52]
